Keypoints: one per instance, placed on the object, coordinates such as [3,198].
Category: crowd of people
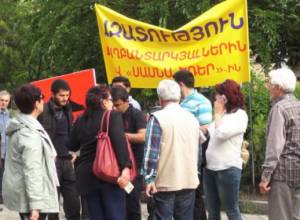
[187,151]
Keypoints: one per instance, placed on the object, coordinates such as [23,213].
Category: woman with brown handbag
[105,200]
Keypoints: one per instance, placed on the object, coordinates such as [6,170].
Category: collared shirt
[282,160]
[199,106]
[152,150]
[4,119]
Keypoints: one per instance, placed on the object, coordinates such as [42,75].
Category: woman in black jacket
[105,201]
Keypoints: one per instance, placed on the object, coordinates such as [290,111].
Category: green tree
[257,98]
[61,36]
[274,30]
[12,51]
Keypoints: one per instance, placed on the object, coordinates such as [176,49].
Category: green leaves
[274,30]
[46,38]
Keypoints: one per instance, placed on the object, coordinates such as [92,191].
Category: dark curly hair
[232,91]
[121,79]
[94,97]
[59,84]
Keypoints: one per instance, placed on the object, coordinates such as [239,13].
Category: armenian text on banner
[213,46]
[79,83]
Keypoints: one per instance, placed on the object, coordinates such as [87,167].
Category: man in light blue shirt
[198,105]
[201,108]
[4,119]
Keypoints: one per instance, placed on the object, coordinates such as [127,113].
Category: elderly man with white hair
[170,156]
[281,168]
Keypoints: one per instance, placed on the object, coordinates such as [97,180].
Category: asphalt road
[5,214]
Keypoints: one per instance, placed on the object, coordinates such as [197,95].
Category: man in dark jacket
[57,121]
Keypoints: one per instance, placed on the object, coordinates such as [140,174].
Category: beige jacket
[178,158]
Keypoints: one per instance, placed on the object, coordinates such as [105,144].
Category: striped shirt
[199,106]
[152,150]
[282,160]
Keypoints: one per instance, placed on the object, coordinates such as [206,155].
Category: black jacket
[84,138]
[47,119]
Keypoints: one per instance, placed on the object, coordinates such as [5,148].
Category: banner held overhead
[213,46]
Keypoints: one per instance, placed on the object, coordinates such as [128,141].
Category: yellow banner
[213,46]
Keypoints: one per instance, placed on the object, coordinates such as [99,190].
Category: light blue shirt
[4,119]
[199,106]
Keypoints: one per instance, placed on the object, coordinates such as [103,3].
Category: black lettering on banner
[118,29]
[196,33]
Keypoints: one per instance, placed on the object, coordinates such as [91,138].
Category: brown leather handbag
[105,164]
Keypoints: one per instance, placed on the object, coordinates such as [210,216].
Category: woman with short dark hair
[222,174]
[30,178]
[105,201]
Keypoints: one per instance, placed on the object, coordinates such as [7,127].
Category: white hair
[285,78]
[4,92]
[168,90]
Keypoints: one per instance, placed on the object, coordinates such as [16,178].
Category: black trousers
[67,188]
[1,178]
[199,207]
[84,211]
[133,200]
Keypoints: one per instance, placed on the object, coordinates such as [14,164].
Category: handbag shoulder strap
[107,115]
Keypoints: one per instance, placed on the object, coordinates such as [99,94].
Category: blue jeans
[176,204]
[221,189]
[107,202]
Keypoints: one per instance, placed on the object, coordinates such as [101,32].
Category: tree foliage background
[43,38]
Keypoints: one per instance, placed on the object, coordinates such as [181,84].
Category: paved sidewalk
[9,215]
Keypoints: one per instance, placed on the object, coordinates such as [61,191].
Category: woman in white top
[222,174]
